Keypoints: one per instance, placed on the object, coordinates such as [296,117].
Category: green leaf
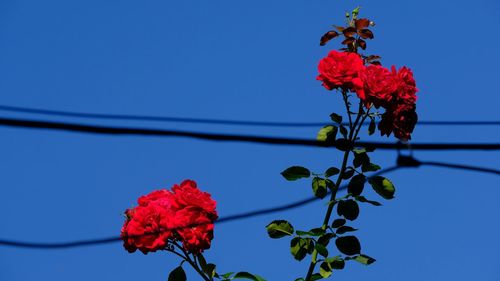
[317,231]
[247,275]
[356,185]
[227,275]
[364,259]
[343,131]
[360,159]
[295,173]
[324,270]
[371,127]
[209,269]
[342,144]
[348,245]
[300,247]
[335,262]
[348,173]
[327,134]
[336,118]
[370,168]
[316,276]
[364,200]
[177,274]
[331,172]
[279,228]
[313,232]
[299,279]
[319,187]
[325,239]
[349,209]
[344,229]
[338,223]
[382,186]
[321,250]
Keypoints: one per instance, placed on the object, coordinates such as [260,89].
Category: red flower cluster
[394,90]
[183,214]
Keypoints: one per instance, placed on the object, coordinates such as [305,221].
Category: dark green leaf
[360,158]
[349,209]
[343,131]
[327,134]
[348,245]
[295,173]
[319,187]
[335,262]
[342,144]
[348,173]
[227,275]
[299,279]
[336,118]
[246,275]
[316,276]
[279,228]
[338,223]
[177,274]
[371,127]
[325,239]
[364,200]
[317,231]
[209,269]
[344,229]
[330,184]
[364,259]
[382,186]
[356,185]
[300,247]
[303,233]
[331,172]
[321,250]
[324,270]
[370,167]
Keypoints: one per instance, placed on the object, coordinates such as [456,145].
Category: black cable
[409,161]
[35,124]
[213,121]
[112,239]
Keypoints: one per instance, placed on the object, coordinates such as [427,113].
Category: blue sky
[249,60]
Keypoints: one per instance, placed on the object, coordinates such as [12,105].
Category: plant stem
[192,263]
[326,220]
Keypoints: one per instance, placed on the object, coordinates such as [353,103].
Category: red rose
[341,70]
[379,85]
[186,214]
[400,120]
[195,228]
[187,194]
[406,86]
[147,228]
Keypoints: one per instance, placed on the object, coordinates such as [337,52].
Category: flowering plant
[179,221]
[353,74]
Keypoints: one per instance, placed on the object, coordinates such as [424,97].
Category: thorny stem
[353,132]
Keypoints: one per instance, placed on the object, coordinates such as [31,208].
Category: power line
[112,239]
[213,121]
[402,162]
[108,130]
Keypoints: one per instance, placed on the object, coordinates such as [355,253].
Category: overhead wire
[62,113]
[110,130]
[402,162]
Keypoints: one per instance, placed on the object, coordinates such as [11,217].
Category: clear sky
[249,60]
